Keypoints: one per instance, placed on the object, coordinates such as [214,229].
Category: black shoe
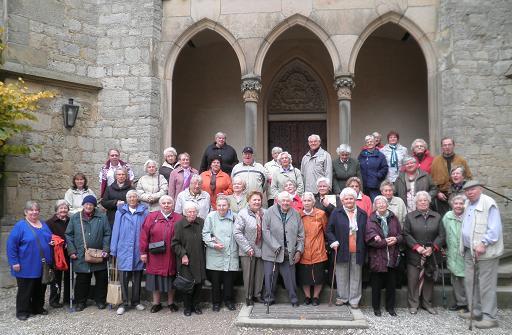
[392,312]
[231,306]
[258,300]
[454,308]
[249,302]
[101,305]
[56,305]
[316,302]
[80,307]
[155,308]
[216,307]
[198,310]
[22,317]
[377,312]
[173,307]
[187,312]
[295,304]
[307,301]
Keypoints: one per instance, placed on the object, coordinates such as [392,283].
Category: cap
[472,183]
[248,150]
[90,199]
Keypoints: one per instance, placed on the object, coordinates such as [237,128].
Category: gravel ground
[93,321]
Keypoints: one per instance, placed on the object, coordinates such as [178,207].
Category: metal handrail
[499,194]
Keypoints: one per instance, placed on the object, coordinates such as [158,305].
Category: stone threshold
[244,319]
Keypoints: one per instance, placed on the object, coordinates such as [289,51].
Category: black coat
[188,240]
[328,210]
[112,194]
[423,183]
[58,226]
[340,175]
[338,230]
[226,154]
[424,232]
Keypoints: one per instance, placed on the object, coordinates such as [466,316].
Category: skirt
[158,283]
[311,274]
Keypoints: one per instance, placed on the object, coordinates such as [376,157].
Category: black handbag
[183,284]
[157,247]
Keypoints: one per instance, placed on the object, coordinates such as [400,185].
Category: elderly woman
[248,235]
[411,181]
[124,246]
[383,238]
[179,179]
[374,167]
[194,194]
[238,199]
[419,149]
[77,192]
[324,199]
[221,253]
[424,236]
[345,235]
[27,243]
[291,187]
[155,250]
[273,166]
[107,176]
[458,179]
[170,163]
[285,172]
[394,153]
[215,181]
[312,264]
[395,204]
[89,229]
[58,224]
[362,201]
[188,247]
[343,168]
[283,245]
[115,194]
[151,186]
[452,223]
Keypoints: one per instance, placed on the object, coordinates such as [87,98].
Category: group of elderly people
[332,216]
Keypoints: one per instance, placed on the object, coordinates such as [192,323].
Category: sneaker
[140,307]
[467,316]
[120,310]
[486,324]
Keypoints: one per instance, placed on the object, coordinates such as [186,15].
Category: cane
[445,304]
[272,281]
[333,275]
[472,307]
[71,287]
[250,288]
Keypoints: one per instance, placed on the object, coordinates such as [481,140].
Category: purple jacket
[379,253]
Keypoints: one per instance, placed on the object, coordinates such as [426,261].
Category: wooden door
[292,136]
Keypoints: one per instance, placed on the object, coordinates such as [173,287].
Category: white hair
[148,162]
[130,192]
[190,204]
[422,194]
[348,192]
[284,154]
[379,197]
[165,197]
[369,137]
[407,159]
[222,198]
[282,195]
[241,180]
[170,150]
[59,203]
[276,150]
[418,140]
[220,134]
[343,148]
[196,177]
[314,137]
[307,195]
[325,180]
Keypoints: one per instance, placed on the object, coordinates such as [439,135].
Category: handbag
[47,274]
[183,284]
[93,256]
[114,292]
[157,247]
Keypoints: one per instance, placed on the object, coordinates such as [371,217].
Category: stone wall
[475,52]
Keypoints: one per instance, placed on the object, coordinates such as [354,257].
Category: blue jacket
[338,230]
[22,249]
[374,168]
[124,243]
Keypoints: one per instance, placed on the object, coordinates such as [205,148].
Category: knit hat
[90,199]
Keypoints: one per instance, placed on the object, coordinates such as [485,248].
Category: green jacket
[97,236]
[453,227]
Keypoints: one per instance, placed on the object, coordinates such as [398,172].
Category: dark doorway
[292,136]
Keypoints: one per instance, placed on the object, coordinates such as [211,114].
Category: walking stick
[333,275]
[445,304]
[272,282]
[250,288]
[71,287]
[472,307]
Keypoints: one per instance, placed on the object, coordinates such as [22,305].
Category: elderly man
[219,149]
[283,245]
[316,163]
[194,194]
[108,171]
[254,174]
[481,245]
[440,171]
[378,138]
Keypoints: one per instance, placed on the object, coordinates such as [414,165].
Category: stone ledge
[61,79]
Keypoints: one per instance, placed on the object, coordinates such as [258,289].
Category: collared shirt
[493,231]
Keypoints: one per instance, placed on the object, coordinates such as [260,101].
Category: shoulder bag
[156,247]
[92,256]
[48,275]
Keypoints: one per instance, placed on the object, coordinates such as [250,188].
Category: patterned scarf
[393,162]
[213,181]
[258,227]
[383,222]
[352,217]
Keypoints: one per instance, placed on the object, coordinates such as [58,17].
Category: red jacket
[157,228]
[426,163]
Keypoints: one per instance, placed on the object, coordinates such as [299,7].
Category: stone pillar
[344,86]
[251,87]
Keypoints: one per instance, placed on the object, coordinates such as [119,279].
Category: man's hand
[296,257]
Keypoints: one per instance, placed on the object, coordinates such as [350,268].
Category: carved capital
[251,88]
[344,86]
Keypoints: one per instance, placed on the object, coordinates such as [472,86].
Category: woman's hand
[16,267]
[144,258]
[377,238]
[120,203]
[73,256]
[391,240]
[184,260]
[250,253]
[218,246]
[428,251]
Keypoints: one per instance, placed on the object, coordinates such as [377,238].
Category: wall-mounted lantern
[70,112]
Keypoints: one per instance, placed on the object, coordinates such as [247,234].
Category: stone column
[344,86]
[251,87]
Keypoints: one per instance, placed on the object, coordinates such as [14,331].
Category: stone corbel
[251,87]
[344,86]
